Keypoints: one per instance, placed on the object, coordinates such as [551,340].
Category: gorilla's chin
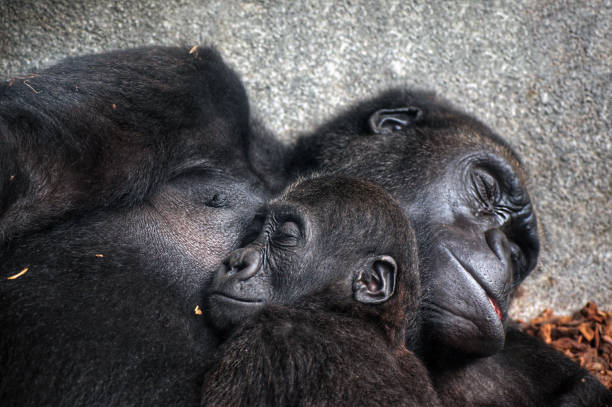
[225,311]
[452,334]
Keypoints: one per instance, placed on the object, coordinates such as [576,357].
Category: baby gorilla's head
[343,239]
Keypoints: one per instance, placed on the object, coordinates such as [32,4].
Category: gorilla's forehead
[458,139]
[415,158]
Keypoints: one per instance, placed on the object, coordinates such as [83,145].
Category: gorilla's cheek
[186,242]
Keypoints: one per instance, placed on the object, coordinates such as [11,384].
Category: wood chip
[99,255]
[31,87]
[586,331]
[197,310]
[21,273]
[585,337]
[194,50]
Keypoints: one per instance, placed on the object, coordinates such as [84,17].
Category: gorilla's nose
[499,244]
[243,263]
[503,249]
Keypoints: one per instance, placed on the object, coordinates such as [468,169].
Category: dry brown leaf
[585,337]
[586,331]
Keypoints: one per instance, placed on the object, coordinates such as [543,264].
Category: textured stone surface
[539,72]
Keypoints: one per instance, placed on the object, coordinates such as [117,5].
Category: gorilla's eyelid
[287,213]
[486,186]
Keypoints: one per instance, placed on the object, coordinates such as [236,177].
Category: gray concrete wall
[539,72]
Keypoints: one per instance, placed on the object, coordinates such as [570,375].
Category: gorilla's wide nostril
[244,263]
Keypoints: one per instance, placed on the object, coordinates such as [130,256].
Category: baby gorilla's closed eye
[287,234]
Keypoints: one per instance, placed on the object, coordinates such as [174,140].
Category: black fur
[305,356]
[149,157]
[527,372]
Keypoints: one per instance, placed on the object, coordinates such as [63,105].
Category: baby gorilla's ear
[375,283]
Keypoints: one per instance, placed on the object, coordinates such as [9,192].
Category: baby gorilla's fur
[319,305]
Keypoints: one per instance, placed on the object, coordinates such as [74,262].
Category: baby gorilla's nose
[243,263]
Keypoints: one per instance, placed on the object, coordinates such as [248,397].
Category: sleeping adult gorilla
[464,191]
[125,178]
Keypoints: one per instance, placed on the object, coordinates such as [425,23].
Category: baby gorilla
[318,306]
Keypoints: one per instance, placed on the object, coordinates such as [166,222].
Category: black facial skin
[464,191]
[142,157]
[318,306]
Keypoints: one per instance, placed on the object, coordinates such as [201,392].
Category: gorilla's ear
[376,282]
[386,121]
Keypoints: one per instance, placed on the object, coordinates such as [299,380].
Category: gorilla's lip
[234,298]
[470,271]
[496,307]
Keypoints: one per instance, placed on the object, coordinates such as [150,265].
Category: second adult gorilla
[465,193]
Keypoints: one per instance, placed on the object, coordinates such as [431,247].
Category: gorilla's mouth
[233,298]
[496,308]
[226,310]
[470,271]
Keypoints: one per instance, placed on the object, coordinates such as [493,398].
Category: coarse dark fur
[107,130]
[125,178]
[308,356]
[527,372]
[337,338]
[465,193]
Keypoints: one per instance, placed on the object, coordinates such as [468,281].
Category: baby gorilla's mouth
[226,310]
[496,308]
[227,296]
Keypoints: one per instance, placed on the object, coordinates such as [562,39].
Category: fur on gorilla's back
[106,130]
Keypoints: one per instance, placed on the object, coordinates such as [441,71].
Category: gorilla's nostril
[249,264]
[243,262]
[499,244]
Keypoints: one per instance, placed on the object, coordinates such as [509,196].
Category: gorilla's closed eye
[218,200]
[287,234]
[485,187]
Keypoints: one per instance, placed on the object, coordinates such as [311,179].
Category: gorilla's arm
[289,357]
[527,372]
